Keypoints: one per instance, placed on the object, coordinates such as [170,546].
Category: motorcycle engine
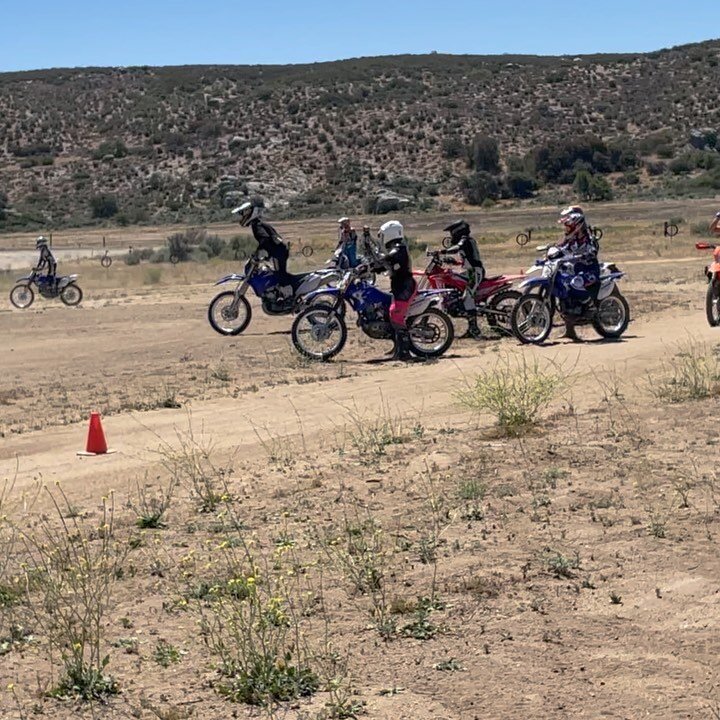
[374,323]
[275,304]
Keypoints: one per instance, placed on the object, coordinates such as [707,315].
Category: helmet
[458,230]
[343,221]
[391,233]
[573,221]
[249,211]
[41,242]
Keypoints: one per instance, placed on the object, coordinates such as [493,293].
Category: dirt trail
[319,408]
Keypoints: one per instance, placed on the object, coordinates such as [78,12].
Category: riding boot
[401,346]
[473,330]
[570,333]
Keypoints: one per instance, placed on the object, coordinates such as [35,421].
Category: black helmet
[458,230]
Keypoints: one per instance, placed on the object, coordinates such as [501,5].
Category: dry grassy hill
[139,144]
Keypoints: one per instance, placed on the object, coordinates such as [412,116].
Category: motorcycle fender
[420,305]
[606,289]
[325,290]
[23,279]
[532,283]
[230,278]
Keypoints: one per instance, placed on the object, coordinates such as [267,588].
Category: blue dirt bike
[229,312]
[553,290]
[319,332]
[65,287]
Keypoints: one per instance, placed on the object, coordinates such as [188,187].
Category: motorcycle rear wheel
[71,295]
[22,296]
[501,304]
[613,316]
[712,302]
[431,334]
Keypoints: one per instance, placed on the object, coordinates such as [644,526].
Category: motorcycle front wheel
[431,333]
[319,333]
[22,296]
[71,295]
[532,319]
[228,317]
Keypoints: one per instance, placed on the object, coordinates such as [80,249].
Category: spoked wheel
[531,319]
[431,334]
[227,315]
[612,316]
[712,303]
[319,333]
[501,305]
[22,296]
[71,295]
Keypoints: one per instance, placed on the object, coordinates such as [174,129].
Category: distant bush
[520,185]
[454,148]
[479,187]
[592,187]
[115,148]
[103,206]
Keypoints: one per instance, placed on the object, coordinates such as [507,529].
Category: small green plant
[166,654]
[152,275]
[615,599]
[560,565]
[692,373]
[450,665]
[420,627]
[515,391]
[151,508]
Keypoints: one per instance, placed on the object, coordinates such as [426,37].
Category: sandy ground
[630,631]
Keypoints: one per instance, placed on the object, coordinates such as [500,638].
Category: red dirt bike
[712,272]
[494,297]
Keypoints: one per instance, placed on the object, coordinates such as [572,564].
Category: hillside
[142,144]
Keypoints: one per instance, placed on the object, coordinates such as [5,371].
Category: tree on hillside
[103,206]
[485,155]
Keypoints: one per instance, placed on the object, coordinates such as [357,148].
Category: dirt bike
[712,273]
[229,312]
[320,331]
[554,291]
[494,297]
[22,295]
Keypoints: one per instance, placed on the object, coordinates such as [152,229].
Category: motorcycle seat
[296,280]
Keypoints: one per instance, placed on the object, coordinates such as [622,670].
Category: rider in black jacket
[46,260]
[402,284]
[465,246]
[268,239]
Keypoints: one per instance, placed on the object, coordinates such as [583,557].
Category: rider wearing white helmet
[268,239]
[581,248]
[402,284]
[47,260]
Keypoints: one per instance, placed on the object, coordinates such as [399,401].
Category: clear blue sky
[73,33]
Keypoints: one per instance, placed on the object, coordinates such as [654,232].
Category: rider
[581,249]
[473,270]
[346,250]
[402,284]
[268,239]
[46,260]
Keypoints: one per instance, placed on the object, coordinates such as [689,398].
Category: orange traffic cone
[96,444]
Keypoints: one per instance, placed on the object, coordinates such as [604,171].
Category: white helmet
[391,233]
[248,211]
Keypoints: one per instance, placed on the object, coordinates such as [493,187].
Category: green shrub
[103,206]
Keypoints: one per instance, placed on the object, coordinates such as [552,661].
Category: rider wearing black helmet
[268,239]
[46,261]
[465,246]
